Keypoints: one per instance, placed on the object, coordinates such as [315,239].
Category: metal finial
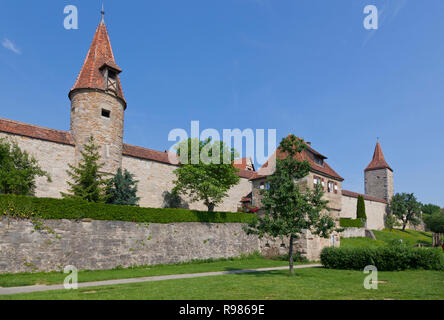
[103,13]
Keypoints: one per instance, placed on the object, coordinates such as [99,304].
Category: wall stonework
[53,158]
[379,183]
[353,233]
[96,245]
[156,179]
[87,120]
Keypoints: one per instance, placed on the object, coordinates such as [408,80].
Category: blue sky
[306,67]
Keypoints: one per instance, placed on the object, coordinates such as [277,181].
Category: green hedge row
[54,209]
[384,258]
[351,223]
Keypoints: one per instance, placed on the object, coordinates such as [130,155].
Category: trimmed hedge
[384,258]
[350,223]
[55,209]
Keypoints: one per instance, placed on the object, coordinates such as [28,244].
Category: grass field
[385,237]
[47,278]
[315,283]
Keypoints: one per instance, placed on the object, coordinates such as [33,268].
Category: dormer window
[319,161]
[110,73]
[111,83]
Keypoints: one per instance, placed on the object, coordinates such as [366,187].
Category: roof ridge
[33,125]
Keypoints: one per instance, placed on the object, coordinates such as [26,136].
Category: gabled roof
[99,55]
[244,163]
[378,161]
[306,154]
[36,132]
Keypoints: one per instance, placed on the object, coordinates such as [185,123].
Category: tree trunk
[290,255]
[404,224]
[210,207]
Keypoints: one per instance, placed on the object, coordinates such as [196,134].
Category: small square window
[106,113]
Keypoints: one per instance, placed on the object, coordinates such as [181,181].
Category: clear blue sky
[304,67]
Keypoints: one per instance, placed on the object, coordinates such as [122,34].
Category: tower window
[111,80]
[106,113]
[112,75]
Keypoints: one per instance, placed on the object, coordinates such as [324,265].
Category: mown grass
[386,237]
[314,283]
[48,278]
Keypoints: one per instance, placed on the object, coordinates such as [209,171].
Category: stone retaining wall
[96,245]
[353,233]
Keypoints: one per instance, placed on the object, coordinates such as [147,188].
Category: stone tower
[98,104]
[379,176]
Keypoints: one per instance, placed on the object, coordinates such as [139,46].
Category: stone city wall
[53,158]
[374,210]
[96,245]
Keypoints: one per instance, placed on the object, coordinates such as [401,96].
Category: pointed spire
[378,161]
[103,13]
[100,56]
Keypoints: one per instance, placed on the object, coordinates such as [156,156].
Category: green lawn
[385,237]
[253,261]
[314,283]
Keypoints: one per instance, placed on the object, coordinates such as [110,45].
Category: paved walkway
[28,289]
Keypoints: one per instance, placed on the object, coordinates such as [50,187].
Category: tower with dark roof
[97,102]
[379,176]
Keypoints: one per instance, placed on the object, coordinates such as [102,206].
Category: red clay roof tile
[37,132]
[99,54]
[366,197]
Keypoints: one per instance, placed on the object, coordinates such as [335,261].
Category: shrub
[350,223]
[360,210]
[55,209]
[400,257]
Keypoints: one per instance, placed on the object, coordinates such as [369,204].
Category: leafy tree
[430,209]
[173,200]
[88,182]
[289,208]
[205,171]
[435,222]
[122,189]
[391,221]
[360,210]
[18,170]
[406,208]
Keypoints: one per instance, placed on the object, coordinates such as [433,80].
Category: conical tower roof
[378,161]
[100,55]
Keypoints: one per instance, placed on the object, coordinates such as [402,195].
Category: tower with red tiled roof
[379,176]
[97,102]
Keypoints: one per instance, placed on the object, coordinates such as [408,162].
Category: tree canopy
[435,222]
[205,172]
[88,182]
[18,170]
[122,189]
[290,207]
[406,208]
